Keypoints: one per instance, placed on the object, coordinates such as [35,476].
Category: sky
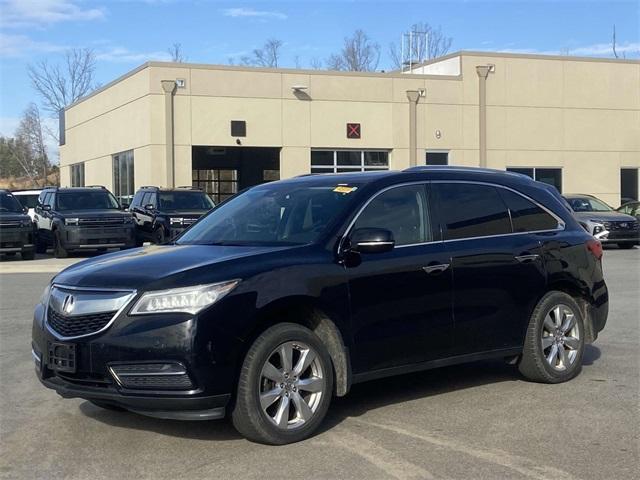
[126,33]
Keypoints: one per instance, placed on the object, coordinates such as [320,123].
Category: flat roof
[381,74]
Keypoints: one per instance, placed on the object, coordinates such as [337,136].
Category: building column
[483,73]
[169,88]
[413,96]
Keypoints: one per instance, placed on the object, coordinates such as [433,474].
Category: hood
[183,213]
[159,266]
[605,216]
[95,213]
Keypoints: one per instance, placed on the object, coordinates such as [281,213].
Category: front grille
[75,326]
[8,224]
[101,221]
[158,382]
[159,376]
[617,226]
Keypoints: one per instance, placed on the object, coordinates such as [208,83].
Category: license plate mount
[61,357]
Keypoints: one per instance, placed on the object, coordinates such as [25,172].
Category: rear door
[401,300]
[497,275]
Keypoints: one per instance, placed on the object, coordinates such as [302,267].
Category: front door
[400,300]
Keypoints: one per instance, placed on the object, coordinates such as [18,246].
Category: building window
[336,161]
[218,183]
[123,181]
[551,176]
[77,175]
[628,184]
[437,157]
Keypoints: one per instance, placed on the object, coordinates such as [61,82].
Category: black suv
[161,214]
[290,292]
[17,232]
[81,218]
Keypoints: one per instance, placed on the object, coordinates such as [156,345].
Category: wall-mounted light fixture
[299,88]
[438,134]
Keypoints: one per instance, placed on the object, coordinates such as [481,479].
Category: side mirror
[124,206]
[25,209]
[372,240]
[46,208]
[149,206]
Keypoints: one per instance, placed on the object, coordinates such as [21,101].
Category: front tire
[58,250]
[554,343]
[285,386]
[159,236]
[626,246]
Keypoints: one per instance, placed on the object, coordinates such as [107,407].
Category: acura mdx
[288,293]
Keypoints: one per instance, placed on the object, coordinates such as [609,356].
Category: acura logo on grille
[68,304]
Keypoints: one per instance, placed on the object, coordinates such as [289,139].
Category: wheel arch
[582,298]
[305,311]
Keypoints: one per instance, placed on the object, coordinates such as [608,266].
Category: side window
[403,210]
[41,198]
[526,216]
[51,200]
[146,199]
[471,210]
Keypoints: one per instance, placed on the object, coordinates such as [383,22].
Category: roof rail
[422,168]
[153,187]
[189,187]
[96,186]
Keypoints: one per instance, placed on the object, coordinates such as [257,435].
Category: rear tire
[41,244]
[554,343]
[285,386]
[58,250]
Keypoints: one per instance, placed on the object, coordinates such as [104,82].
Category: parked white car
[29,199]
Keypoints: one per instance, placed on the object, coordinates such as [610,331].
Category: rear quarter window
[526,216]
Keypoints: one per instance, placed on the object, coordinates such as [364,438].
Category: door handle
[435,269]
[527,258]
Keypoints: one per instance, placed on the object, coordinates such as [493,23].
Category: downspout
[483,73]
[413,96]
[169,88]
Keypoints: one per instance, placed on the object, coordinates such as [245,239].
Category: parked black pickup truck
[82,218]
[17,234]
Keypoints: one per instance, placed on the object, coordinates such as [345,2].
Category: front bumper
[139,341]
[16,240]
[80,238]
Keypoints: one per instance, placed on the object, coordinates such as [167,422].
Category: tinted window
[137,199]
[29,201]
[8,203]
[526,216]
[588,204]
[471,210]
[86,201]
[48,199]
[273,214]
[401,210]
[148,199]
[171,201]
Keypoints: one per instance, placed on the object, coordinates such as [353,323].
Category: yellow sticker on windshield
[344,189]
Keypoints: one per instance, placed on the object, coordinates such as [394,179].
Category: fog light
[155,376]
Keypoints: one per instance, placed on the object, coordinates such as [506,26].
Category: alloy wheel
[292,384]
[560,337]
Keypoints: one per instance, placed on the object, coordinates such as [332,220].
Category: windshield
[172,201]
[87,201]
[588,204]
[272,214]
[8,203]
[29,201]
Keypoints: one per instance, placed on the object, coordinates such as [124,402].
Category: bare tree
[31,151]
[62,84]
[614,44]
[176,53]
[316,63]
[269,54]
[359,54]
[428,43]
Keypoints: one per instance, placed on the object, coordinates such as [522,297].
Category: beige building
[573,122]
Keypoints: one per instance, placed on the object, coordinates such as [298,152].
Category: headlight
[44,298]
[176,220]
[71,221]
[598,228]
[186,300]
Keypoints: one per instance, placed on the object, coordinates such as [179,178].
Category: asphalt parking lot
[473,421]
